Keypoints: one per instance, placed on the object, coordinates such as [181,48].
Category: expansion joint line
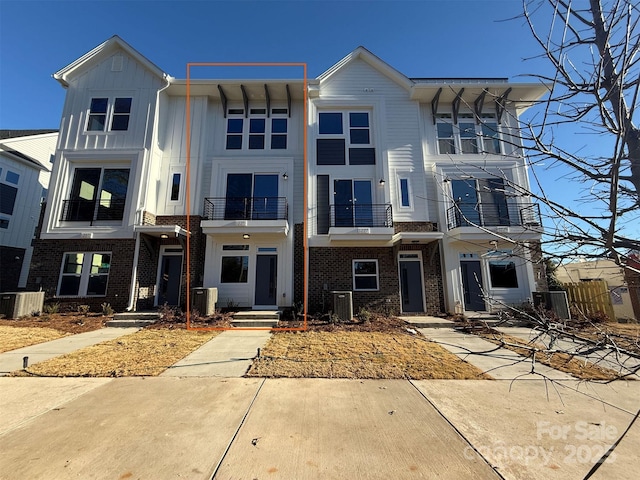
[235,434]
[421,393]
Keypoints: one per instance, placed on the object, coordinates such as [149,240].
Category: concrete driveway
[242,428]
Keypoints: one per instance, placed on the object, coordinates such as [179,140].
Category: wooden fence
[590,297]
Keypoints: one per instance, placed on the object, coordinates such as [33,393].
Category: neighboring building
[603,269]
[25,167]
[407,182]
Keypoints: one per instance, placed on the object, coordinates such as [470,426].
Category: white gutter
[139,216]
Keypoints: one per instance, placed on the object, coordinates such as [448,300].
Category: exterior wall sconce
[381,182]
[285,176]
[164,236]
[246,236]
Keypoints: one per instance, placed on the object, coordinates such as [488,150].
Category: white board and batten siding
[105,79]
[395,129]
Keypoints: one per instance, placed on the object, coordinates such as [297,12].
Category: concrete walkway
[12,360]
[229,354]
[500,363]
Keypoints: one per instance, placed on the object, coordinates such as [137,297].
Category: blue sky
[422,38]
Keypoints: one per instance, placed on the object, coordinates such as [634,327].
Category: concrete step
[256,319]
[426,321]
[133,319]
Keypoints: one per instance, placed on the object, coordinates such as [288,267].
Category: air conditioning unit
[204,300]
[343,305]
[20,304]
[555,301]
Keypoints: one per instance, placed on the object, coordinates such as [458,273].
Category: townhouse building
[407,192]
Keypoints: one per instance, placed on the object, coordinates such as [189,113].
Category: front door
[411,286]
[169,279]
[266,278]
[472,286]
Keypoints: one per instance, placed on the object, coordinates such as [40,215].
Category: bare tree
[593,48]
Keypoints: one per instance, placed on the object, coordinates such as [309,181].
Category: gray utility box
[555,301]
[204,300]
[343,305]
[21,304]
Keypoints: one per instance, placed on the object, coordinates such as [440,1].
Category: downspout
[140,210]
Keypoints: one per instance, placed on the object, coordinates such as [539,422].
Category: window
[503,274]
[13,177]
[234,269]
[333,143]
[7,198]
[4,223]
[263,132]
[100,109]
[253,197]
[481,201]
[404,193]
[365,274]
[97,194]
[84,274]
[467,137]
[175,187]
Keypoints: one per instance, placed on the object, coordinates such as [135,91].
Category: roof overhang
[162,231]
[414,238]
[231,90]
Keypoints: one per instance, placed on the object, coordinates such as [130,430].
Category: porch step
[426,321]
[256,319]
[133,319]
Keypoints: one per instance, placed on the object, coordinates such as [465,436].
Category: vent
[116,63]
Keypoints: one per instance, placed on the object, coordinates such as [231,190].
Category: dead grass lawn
[147,352]
[350,354]
[18,337]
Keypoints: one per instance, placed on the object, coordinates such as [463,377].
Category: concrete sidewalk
[12,360]
[500,363]
[229,354]
[308,429]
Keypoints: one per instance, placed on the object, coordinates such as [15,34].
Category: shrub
[107,310]
[52,307]
[83,309]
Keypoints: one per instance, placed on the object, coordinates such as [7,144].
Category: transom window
[101,110]
[258,132]
[341,133]
[467,137]
[84,274]
[365,275]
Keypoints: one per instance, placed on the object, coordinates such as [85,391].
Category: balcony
[501,217]
[360,222]
[80,210]
[245,215]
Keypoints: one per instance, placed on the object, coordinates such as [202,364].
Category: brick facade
[330,268]
[298,262]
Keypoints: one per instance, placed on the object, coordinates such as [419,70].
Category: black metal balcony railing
[80,210]
[494,215]
[361,215]
[246,208]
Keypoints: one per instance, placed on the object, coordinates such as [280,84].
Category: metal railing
[80,210]
[246,208]
[361,215]
[494,215]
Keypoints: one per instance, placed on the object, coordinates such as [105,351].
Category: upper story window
[258,131]
[96,194]
[467,137]
[175,187]
[115,114]
[8,193]
[344,135]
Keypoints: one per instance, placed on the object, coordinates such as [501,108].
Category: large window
[259,132]
[84,274]
[365,274]
[340,134]
[480,202]
[234,269]
[97,194]
[467,137]
[503,274]
[101,109]
[253,196]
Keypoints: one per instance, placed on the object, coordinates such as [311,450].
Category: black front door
[169,283]
[472,286]
[266,278]
[411,286]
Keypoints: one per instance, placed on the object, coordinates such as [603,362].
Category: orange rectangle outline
[305,285]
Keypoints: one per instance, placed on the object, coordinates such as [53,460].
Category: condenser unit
[204,300]
[343,305]
[21,304]
[555,301]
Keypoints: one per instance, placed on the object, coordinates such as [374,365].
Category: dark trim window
[84,274]
[175,187]
[503,274]
[8,196]
[404,193]
[101,109]
[467,137]
[259,132]
[234,269]
[234,133]
[365,275]
[339,134]
[97,194]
